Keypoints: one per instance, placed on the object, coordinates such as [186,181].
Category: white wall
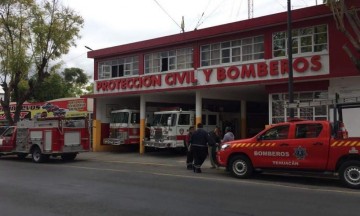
[346,88]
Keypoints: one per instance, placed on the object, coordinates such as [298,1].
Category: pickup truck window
[308,130]
[276,133]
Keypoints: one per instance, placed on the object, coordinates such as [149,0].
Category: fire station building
[238,69]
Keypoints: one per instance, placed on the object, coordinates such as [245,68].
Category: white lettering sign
[271,154]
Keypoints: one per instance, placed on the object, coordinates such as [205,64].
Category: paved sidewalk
[161,157]
[151,157]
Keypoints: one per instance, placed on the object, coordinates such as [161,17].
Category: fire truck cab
[169,128]
[124,127]
[46,137]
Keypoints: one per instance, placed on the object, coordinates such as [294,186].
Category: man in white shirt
[228,136]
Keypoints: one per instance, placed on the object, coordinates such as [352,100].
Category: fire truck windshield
[119,117]
[162,119]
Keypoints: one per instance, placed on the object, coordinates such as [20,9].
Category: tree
[52,87]
[69,83]
[32,34]
[75,80]
[90,88]
[342,12]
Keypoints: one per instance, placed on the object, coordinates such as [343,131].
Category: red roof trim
[221,30]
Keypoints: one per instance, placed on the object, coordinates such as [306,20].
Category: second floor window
[304,40]
[119,67]
[246,49]
[279,112]
[169,60]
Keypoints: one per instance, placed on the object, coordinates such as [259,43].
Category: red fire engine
[124,127]
[45,137]
[169,128]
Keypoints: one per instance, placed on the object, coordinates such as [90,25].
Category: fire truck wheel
[37,156]
[241,167]
[68,157]
[350,174]
[22,156]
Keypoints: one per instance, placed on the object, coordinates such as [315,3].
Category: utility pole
[290,58]
[250,9]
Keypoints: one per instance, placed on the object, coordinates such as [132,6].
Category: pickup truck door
[309,147]
[272,148]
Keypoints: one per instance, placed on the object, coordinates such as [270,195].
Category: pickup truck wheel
[37,156]
[241,167]
[350,174]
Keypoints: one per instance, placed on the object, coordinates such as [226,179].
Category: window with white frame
[304,40]
[119,67]
[241,50]
[169,60]
[279,113]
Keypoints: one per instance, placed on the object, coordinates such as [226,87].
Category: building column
[243,119]
[96,135]
[142,123]
[198,108]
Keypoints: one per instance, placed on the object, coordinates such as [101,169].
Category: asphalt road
[158,184]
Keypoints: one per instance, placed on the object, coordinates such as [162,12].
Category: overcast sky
[115,22]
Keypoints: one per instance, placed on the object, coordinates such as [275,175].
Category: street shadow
[28,159]
[294,180]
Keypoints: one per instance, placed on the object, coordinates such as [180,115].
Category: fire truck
[124,127]
[303,146]
[169,128]
[45,137]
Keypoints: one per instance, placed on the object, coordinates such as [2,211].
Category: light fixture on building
[88,48]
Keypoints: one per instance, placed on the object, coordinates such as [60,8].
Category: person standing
[215,135]
[228,136]
[200,140]
[189,154]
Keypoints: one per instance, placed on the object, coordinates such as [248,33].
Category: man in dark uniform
[199,146]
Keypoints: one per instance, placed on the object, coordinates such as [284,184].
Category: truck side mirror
[133,118]
[260,137]
[169,121]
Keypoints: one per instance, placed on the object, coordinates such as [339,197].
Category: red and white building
[238,69]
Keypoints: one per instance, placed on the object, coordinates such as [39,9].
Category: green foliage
[90,88]
[32,34]
[75,80]
[70,83]
[51,88]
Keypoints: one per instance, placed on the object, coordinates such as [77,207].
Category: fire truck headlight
[224,147]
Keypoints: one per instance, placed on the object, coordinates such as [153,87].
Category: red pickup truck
[299,145]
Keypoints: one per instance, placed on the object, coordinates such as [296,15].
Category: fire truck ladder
[338,104]
[351,102]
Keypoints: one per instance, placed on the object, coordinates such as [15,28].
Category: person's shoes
[189,167]
[197,170]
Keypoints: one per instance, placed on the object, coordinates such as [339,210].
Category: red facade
[340,64]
